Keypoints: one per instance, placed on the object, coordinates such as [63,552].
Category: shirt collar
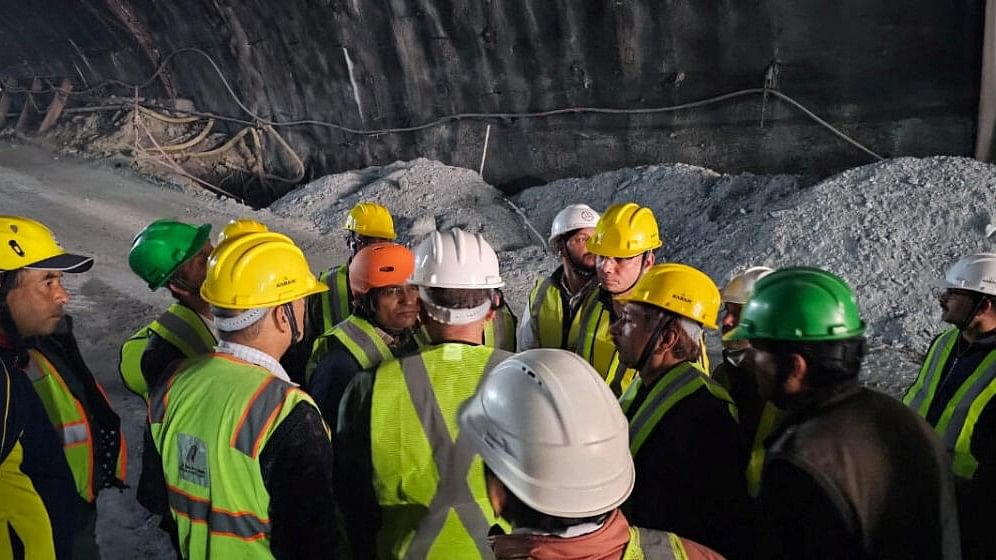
[256,357]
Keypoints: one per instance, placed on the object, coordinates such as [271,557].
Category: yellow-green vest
[499,332]
[546,314]
[646,544]
[427,479]
[589,337]
[179,325]
[957,422]
[359,336]
[679,382]
[336,304]
[209,422]
[71,423]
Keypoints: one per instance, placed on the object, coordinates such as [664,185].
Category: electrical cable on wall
[259,120]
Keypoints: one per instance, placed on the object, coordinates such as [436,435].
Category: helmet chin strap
[643,267]
[296,335]
[963,324]
[655,335]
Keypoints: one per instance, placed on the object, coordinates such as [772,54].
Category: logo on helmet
[286,282]
[587,215]
[681,298]
[16,248]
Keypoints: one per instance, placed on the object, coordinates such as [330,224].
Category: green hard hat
[799,304]
[162,247]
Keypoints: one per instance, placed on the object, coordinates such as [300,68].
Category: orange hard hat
[380,265]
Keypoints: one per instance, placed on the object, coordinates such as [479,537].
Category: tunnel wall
[900,77]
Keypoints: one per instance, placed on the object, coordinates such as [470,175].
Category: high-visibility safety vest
[336,304]
[72,424]
[590,339]
[957,422]
[771,415]
[179,325]
[209,422]
[546,314]
[647,544]
[359,336]
[499,332]
[427,479]
[679,382]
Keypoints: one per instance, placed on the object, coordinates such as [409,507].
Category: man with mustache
[953,391]
[37,346]
[386,309]
[555,300]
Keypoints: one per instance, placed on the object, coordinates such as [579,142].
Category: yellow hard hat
[258,270]
[370,219]
[680,289]
[239,227]
[625,230]
[28,243]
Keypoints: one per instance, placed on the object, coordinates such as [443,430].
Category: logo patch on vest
[193,460]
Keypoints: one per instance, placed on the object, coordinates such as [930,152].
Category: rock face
[889,73]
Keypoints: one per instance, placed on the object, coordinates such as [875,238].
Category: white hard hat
[456,259]
[741,285]
[575,216]
[552,431]
[976,273]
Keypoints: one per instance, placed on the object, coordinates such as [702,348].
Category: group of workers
[395,407]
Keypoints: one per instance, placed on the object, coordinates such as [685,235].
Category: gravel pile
[890,228]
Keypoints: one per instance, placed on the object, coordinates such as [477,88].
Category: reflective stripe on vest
[646,544]
[363,341]
[681,381]
[546,314]
[70,420]
[335,302]
[770,415]
[427,479]
[594,344]
[453,460]
[180,326]
[957,423]
[243,525]
[921,394]
[209,422]
[499,332]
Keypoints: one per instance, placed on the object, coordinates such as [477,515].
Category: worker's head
[553,439]
[805,333]
[457,276]
[32,297]
[378,280]
[734,296]
[969,298]
[623,244]
[572,228]
[241,226]
[662,318]
[368,223]
[173,255]
[256,284]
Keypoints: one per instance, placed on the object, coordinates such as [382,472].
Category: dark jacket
[690,475]
[742,387]
[26,421]
[856,474]
[337,368]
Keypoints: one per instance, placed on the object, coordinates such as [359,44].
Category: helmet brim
[66,262]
